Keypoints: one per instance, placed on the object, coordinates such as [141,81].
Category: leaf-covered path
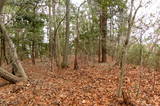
[95,85]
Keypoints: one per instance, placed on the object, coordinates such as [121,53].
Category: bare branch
[135,13]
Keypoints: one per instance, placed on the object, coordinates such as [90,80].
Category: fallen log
[8,76]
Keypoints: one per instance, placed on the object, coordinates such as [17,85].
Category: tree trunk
[66,46]
[76,54]
[3,53]
[51,38]
[13,55]
[103,24]
[141,65]
[33,52]
[121,32]
[57,48]
[99,49]
[8,76]
[76,43]
[131,19]
[2,50]
[57,51]
[77,38]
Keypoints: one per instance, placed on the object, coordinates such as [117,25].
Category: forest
[79,53]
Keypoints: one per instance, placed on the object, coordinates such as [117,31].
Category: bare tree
[131,19]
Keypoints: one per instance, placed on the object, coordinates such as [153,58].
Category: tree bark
[13,54]
[131,20]
[8,76]
[51,38]
[103,24]
[57,47]
[99,49]
[66,46]
[33,53]
[76,66]
[19,72]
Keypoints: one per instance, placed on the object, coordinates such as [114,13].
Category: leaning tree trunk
[19,71]
[8,76]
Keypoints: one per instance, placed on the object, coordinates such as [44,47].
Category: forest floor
[91,85]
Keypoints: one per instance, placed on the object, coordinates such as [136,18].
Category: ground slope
[93,85]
